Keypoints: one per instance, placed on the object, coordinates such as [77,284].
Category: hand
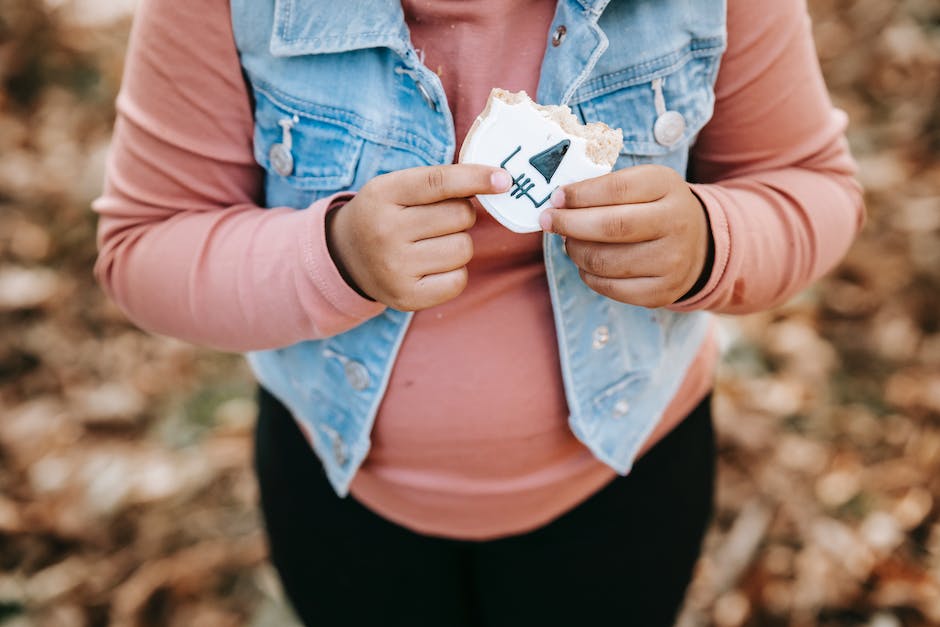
[403,241]
[639,235]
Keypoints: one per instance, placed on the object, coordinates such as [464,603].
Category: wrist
[709,261]
[333,249]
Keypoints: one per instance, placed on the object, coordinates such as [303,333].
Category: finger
[617,224]
[434,289]
[440,254]
[644,291]
[644,183]
[616,261]
[441,218]
[430,184]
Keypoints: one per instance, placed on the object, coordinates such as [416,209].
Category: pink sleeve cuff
[322,269]
[721,236]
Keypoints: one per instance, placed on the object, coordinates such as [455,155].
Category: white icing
[509,126]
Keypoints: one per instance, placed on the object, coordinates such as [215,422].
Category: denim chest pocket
[310,151]
[307,153]
[660,105]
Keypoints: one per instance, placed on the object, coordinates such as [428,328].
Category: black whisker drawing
[545,163]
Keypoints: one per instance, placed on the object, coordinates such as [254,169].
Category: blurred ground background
[126,496]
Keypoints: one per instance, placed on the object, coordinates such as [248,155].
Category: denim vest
[341,96]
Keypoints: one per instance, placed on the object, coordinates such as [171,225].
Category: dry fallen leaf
[126,493]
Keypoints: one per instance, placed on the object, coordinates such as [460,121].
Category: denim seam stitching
[673,61]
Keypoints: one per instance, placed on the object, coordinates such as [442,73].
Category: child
[522,420]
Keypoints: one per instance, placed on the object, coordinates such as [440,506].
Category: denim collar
[302,27]
[594,8]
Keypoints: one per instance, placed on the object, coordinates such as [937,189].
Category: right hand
[403,240]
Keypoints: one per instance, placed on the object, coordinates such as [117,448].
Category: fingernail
[501,180]
[545,221]
[558,198]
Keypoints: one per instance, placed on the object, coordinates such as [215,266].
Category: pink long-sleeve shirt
[475,447]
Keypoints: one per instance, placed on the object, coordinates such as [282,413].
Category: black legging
[623,557]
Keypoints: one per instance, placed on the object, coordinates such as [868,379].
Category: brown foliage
[125,489]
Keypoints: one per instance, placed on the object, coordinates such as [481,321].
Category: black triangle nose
[547,161]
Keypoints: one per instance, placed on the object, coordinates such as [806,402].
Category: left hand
[639,235]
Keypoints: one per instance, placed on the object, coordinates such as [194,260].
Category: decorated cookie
[542,148]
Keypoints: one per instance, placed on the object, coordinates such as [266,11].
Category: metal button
[281,159]
[357,375]
[339,451]
[621,408]
[426,95]
[559,35]
[601,337]
[669,128]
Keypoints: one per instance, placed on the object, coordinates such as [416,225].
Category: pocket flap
[324,152]
[627,98]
